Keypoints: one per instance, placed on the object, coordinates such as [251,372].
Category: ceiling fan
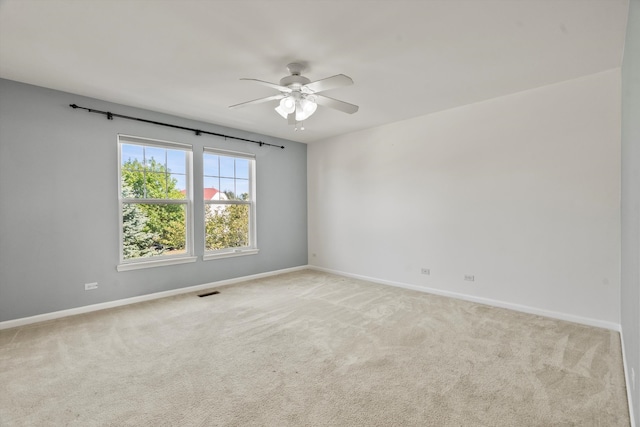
[299,97]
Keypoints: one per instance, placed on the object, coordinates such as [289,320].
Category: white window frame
[163,260]
[252,249]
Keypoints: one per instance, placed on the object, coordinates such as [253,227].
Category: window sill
[155,263]
[237,252]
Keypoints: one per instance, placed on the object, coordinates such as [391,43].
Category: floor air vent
[209,293]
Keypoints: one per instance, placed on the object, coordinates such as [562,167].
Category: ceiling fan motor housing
[295,81]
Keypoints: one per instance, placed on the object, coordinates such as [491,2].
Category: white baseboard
[495,303]
[627,375]
[486,301]
[118,303]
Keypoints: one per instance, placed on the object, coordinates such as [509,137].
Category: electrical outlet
[425,271]
[469,277]
[90,286]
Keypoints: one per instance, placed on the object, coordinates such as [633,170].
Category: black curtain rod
[198,132]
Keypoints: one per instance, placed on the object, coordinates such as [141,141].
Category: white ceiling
[407,58]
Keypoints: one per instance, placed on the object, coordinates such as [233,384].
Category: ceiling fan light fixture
[286,107]
[305,109]
[288,104]
[280,111]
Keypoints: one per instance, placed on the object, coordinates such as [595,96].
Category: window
[155,202]
[229,203]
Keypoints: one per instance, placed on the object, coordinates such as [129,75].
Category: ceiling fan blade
[259,101]
[325,101]
[271,85]
[333,82]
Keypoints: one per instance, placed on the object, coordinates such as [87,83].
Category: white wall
[521,191]
[630,287]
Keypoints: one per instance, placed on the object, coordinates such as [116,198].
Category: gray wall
[59,211]
[630,290]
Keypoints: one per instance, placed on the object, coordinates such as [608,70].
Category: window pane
[242,189]
[131,153]
[227,186]
[211,165]
[211,186]
[177,186]
[132,173]
[227,168]
[156,185]
[155,158]
[242,168]
[151,230]
[227,226]
[176,161]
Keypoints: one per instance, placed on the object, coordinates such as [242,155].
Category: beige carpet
[310,349]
